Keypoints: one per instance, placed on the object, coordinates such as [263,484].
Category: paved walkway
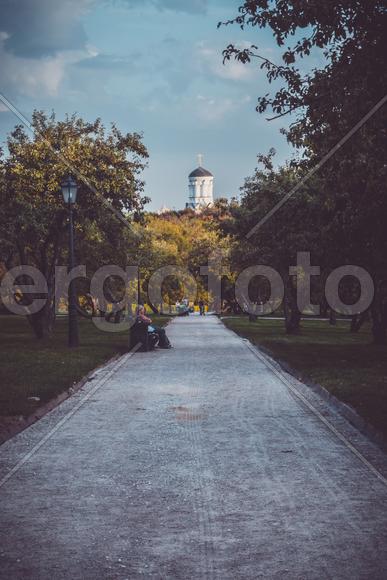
[192,463]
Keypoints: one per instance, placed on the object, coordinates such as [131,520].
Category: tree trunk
[292,314]
[379,321]
[114,315]
[332,317]
[324,309]
[355,323]
[42,322]
[118,316]
[358,320]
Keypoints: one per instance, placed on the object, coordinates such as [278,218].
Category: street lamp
[69,192]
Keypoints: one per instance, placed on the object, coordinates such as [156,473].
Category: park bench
[139,334]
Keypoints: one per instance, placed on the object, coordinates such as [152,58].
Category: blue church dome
[200,172]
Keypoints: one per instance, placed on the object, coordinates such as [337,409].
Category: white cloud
[214,109]
[35,77]
[210,61]
[39,40]
[190,6]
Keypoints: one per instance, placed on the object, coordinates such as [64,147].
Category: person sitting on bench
[162,336]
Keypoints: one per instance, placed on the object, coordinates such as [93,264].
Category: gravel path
[197,462]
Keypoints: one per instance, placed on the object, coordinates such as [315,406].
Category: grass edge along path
[33,373]
[346,364]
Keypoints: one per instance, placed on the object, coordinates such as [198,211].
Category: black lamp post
[69,192]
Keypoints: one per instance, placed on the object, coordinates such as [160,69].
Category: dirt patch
[186,414]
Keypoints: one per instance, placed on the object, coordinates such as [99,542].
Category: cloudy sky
[153,66]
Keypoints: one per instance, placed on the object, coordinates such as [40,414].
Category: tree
[34,221]
[327,103]
[349,34]
[183,239]
[295,227]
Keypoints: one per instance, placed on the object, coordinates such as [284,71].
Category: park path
[192,463]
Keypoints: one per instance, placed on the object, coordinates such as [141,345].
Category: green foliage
[347,204]
[183,239]
[350,35]
[31,199]
[33,220]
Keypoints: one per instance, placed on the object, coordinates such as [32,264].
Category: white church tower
[201,188]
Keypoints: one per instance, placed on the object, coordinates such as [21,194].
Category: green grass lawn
[346,364]
[29,367]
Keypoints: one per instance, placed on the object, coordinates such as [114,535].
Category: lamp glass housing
[69,190]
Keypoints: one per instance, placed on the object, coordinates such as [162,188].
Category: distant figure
[202,309]
[162,336]
[182,308]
